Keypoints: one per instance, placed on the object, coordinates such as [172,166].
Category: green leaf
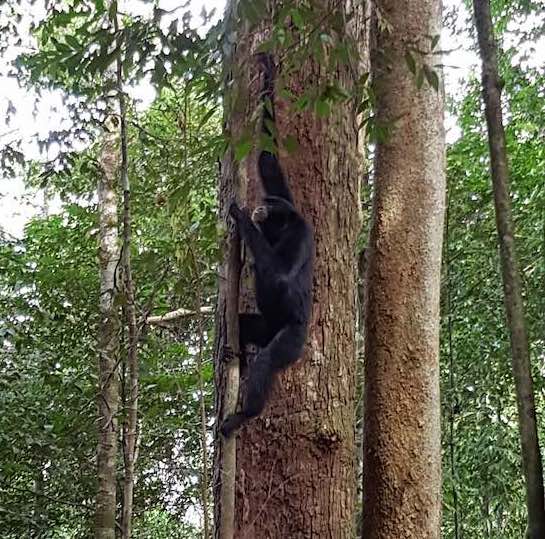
[364,106]
[419,78]
[266,46]
[73,42]
[297,18]
[290,143]
[206,117]
[302,103]
[266,142]
[432,77]
[322,108]
[242,148]
[410,61]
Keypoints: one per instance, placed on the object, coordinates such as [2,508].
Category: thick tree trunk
[295,473]
[108,342]
[514,306]
[402,451]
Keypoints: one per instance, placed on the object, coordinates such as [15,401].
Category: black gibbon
[282,245]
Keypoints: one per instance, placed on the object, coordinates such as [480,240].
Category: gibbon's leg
[281,352]
[287,346]
[254,330]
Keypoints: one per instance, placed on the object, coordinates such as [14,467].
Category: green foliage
[46,372]
[49,315]
[478,390]
[160,525]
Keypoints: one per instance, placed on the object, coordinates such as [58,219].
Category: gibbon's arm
[274,181]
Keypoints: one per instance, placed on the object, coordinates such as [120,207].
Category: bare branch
[179,314]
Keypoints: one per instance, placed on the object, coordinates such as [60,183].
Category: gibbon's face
[260,214]
[272,225]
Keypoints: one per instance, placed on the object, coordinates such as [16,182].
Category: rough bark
[402,451]
[514,306]
[295,473]
[108,342]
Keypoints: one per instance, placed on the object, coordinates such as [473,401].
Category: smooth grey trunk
[108,340]
[514,306]
[402,437]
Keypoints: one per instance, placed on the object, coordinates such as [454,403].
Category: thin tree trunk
[38,523]
[295,472]
[130,424]
[514,306]
[451,382]
[108,341]
[402,442]
[202,406]
[227,376]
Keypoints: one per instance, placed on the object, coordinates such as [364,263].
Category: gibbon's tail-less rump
[282,245]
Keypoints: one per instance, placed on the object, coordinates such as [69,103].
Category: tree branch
[179,314]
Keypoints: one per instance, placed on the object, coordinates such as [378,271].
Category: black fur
[282,245]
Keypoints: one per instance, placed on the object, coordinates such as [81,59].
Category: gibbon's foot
[227,354]
[231,424]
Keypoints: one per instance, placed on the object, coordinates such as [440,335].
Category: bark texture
[108,342]
[402,451]
[295,473]
[514,306]
[226,376]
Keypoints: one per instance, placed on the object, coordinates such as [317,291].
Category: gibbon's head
[260,214]
[273,225]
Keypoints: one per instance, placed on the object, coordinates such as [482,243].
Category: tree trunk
[38,522]
[108,342]
[226,376]
[130,423]
[520,357]
[295,473]
[204,483]
[402,450]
